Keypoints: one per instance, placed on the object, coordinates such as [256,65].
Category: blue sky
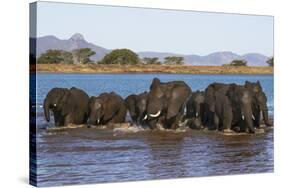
[183,32]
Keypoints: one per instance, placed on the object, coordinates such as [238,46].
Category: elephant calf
[195,110]
[107,108]
[69,106]
[136,105]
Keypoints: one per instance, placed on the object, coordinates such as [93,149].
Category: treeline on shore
[118,57]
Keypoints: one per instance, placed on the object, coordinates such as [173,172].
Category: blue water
[82,155]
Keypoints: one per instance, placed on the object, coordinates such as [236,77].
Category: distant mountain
[256,59]
[78,41]
[160,55]
[217,58]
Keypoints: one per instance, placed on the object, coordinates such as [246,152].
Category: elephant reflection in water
[166,157]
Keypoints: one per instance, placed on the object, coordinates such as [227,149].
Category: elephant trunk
[264,111]
[247,115]
[94,119]
[197,111]
[46,109]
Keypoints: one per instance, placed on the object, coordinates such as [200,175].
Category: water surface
[79,156]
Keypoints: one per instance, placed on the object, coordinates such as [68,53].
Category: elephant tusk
[55,104]
[145,117]
[155,115]
[243,117]
[253,117]
[98,121]
[196,115]
[39,106]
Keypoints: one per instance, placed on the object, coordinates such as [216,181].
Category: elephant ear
[65,102]
[231,93]
[90,102]
[259,84]
[110,107]
[175,104]
[155,83]
[131,104]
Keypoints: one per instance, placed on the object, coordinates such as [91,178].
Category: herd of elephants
[222,107]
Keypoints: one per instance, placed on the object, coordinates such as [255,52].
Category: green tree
[270,62]
[152,60]
[82,55]
[56,56]
[120,56]
[238,62]
[174,60]
[67,57]
[51,56]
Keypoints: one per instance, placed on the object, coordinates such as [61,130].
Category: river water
[82,155]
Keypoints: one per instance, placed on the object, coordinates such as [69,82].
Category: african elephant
[166,103]
[136,105]
[195,110]
[229,106]
[107,108]
[241,99]
[69,106]
[215,97]
[259,103]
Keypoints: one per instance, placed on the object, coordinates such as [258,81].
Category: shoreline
[148,69]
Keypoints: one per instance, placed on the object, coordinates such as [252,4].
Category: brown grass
[178,69]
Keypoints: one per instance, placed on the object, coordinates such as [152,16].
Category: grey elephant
[215,97]
[69,106]
[166,103]
[241,100]
[136,105]
[229,106]
[107,108]
[195,110]
[259,103]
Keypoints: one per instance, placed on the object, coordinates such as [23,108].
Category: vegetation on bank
[118,57]
[146,68]
[270,62]
[78,56]
[237,63]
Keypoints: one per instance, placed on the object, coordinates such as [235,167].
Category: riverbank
[177,69]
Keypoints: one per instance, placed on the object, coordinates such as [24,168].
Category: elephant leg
[59,119]
[177,120]
[211,120]
[227,121]
[68,120]
[216,122]
[119,117]
[257,116]
[115,119]
[152,123]
[85,118]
